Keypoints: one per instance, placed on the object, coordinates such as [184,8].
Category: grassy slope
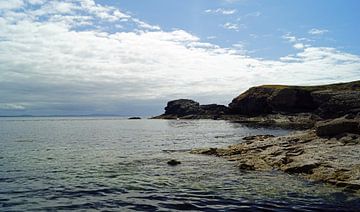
[355,85]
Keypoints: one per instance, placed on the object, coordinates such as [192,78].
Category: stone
[173,162]
[337,126]
[134,118]
[303,153]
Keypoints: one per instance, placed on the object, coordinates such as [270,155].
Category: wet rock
[173,162]
[334,160]
[305,168]
[257,137]
[337,127]
[134,118]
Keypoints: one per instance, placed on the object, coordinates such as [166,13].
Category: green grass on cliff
[355,85]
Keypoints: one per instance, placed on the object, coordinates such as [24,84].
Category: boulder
[337,126]
[173,162]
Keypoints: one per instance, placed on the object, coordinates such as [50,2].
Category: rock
[134,118]
[268,99]
[333,104]
[173,162]
[189,109]
[253,102]
[335,161]
[304,168]
[292,100]
[214,109]
[337,126]
[328,101]
[257,137]
[182,107]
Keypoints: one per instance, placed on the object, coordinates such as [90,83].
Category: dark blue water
[113,164]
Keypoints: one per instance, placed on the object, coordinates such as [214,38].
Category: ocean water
[114,164]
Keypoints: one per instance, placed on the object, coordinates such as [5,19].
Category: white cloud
[9,106]
[5,5]
[298,43]
[232,26]
[290,38]
[299,46]
[315,31]
[221,11]
[51,64]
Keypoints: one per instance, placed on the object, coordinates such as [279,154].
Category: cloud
[48,63]
[233,26]
[298,43]
[11,4]
[315,31]
[221,11]
[299,46]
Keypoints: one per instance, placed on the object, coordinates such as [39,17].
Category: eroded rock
[304,153]
[337,126]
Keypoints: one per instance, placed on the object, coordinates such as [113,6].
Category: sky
[129,57]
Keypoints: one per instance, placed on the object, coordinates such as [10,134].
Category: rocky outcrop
[328,101]
[182,107]
[189,109]
[334,160]
[337,127]
[276,105]
[334,104]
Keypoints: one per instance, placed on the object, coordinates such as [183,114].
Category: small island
[326,147]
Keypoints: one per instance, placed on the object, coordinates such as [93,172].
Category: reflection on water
[111,164]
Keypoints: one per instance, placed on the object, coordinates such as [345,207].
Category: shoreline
[334,161]
[326,149]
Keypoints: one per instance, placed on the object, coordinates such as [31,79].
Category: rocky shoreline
[327,149]
[334,160]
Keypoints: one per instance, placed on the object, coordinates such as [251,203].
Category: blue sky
[129,57]
[261,23]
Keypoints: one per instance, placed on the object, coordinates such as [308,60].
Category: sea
[116,164]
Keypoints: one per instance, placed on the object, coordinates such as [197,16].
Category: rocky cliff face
[189,109]
[328,101]
[182,107]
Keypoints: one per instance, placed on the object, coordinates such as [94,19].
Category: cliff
[327,101]
[189,109]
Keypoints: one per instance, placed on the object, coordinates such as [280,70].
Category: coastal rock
[182,107]
[337,126]
[272,98]
[173,162]
[334,104]
[291,100]
[189,109]
[214,109]
[134,118]
[253,102]
[334,160]
[327,101]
